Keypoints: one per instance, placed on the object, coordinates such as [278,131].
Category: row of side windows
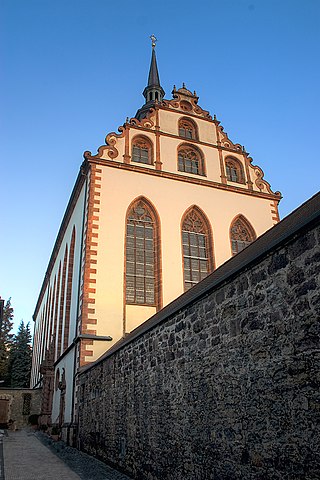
[190,159]
[143,250]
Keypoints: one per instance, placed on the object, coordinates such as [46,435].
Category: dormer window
[190,160]
[142,151]
[234,171]
[187,129]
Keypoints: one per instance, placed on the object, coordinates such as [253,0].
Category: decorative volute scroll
[224,140]
[109,147]
[256,172]
[144,122]
[258,179]
[187,102]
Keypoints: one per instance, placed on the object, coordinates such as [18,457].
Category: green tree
[6,324]
[20,358]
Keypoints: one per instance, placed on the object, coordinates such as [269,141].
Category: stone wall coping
[303,218]
[20,389]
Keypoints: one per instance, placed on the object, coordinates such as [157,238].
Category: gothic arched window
[62,300]
[234,170]
[142,255]
[190,160]
[187,128]
[142,150]
[69,290]
[241,234]
[197,247]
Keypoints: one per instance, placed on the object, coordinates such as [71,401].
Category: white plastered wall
[76,220]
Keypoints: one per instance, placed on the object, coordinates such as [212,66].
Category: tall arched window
[69,290]
[241,234]
[234,171]
[52,295]
[187,128]
[197,247]
[142,150]
[142,255]
[56,316]
[190,160]
[46,320]
[62,300]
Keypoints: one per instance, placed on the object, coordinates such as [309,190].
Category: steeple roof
[153,91]
[153,80]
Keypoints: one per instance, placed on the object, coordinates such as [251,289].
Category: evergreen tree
[20,358]
[6,324]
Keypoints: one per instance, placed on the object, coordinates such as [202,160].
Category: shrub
[55,430]
[33,419]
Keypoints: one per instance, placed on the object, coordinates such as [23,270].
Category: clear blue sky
[73,70]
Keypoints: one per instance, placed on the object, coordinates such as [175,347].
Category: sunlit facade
[160,206]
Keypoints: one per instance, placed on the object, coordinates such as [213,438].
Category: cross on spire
[153,40]
[153,92]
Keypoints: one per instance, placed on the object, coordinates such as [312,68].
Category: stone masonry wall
[227,388]
[18,404]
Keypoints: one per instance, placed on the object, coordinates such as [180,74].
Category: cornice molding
[183,178]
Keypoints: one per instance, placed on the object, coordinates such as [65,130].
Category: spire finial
[153,93]
[153,40]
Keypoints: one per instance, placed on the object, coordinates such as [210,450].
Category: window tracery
[190,160]
[142,275]
[234,171]
[241,235]
[142,151]
[197,259]
[187,128]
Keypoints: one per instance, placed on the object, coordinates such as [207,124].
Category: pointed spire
[153,91]
[153,79]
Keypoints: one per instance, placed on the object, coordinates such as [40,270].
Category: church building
[162,204]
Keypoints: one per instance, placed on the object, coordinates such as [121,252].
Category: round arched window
[190,160]
[187,128]
[234,171]
[142,151]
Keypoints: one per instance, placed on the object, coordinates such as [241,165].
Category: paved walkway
[27,458]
